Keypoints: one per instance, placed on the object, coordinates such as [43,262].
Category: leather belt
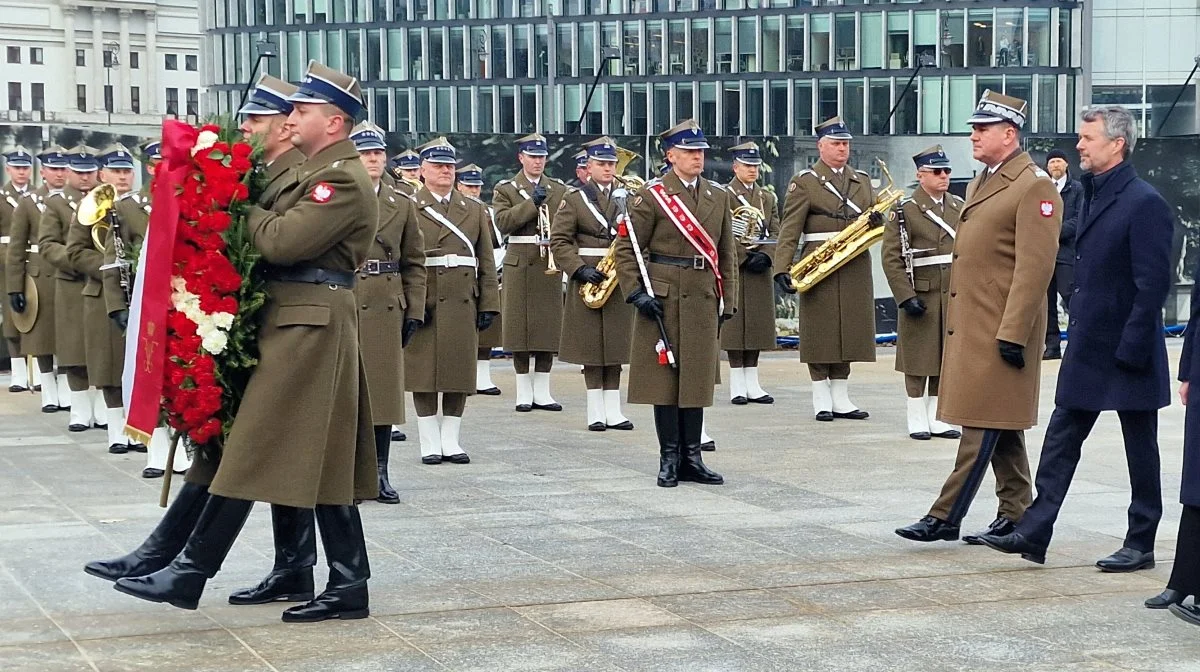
[450,261]
[524,240]
[311,275]
[696,262]
[33,249]
[816,237]
[378,267]
[936,260]
[593,251]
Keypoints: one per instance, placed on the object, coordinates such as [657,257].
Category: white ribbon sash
[441,219]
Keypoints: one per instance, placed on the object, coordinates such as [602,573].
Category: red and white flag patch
[322,193]
[1047,208]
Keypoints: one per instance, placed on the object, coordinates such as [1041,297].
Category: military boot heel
[691,465]
[666,425]
[383,450]
[181,583]
[291,578]
[163,544]
[345,596]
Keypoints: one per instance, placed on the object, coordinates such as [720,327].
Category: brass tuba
[866,230]
[595,296]
[94,211]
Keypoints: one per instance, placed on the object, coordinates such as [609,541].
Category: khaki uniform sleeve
[512,211]
[564,226]
[728,254]
[309,229]
[51,245]
[488,281]
[795,213]
[1036,248]
[82,254]
[412,260]
[892,260]
[17,254]
[114,296]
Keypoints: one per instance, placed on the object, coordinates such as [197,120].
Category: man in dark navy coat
[1118,357]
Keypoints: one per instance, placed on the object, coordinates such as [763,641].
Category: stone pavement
[554,550]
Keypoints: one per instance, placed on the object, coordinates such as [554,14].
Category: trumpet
[543,229]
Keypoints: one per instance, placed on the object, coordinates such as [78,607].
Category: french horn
[94,212]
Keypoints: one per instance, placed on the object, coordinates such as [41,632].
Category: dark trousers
[1185,575]
[1061,450]
[1061,285]
[1004,450]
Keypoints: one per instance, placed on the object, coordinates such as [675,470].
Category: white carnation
[223,320]
[214,342]
[205,140]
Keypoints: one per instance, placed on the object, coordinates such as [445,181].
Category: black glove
[539,195]
[120,318]
[757,262]
[875,218]
[484,320]
[914,306]
[410,327]
[589,274]
[428,315]
[17,301]
[647,305]
[725,317]
[1012,353]
[784,282]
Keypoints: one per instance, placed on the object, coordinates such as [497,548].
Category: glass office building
[740,67]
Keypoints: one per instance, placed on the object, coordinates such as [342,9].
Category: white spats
[822,396]
[541,389]
[524,389]
[595,407]
[737,383]
[20,373]
[430,433]
[918,421]
[451,426]
[704,437]
[50,391]
[936,427]
[612,408]
[483,375]
[840,391]
[160,445]
[115,419]
[64,391]
[99,408]
[81,409]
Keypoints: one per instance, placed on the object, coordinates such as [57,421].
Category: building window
[172,61]
[135,99]
[173,101]
[37,95]
[81,97]
[135,60]
[14,95]
[80,58]
[193,101]
[14,54]
[36,56]
[108,97]
[108,59]
[189,63]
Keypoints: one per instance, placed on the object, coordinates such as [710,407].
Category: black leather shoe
[1187,612]
[118,448]
[929,529]
[597,427]
[999,527]
[99,426]
[825,416]
[666,426]
[345,595]
[691,464]
[387,494]
[458,458]
[949,434]
[431,459]
[151,472]
[490,392]
[17,388]
[739,401]
[1052,353]
[920,436]
[77,428]
[346,604]
[524,408]
[281,585]
[1014,542]
[1165,599]
[547,407]
[708,446]
[398,435]
[765,399]
[383,449]
[624,425]
[137,447]
[50,408]
[163,544]
[856,414]
[1126,560]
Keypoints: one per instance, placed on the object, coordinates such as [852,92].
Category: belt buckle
[451,261]
[372,267]
[697,262]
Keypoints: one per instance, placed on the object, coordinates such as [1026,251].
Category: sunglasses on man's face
[938,171]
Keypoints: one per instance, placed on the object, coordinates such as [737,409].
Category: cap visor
[750,162]
[839,136]
[369,146]
[535,152]
[256,109]
[303,98]
[439,159]
[984,119]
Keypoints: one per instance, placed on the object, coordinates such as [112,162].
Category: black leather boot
[666,425]
[291,579]
[163,544]
[691,466]
[181,583]
[383,448]
[345,595]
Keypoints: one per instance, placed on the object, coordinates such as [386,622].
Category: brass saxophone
[595,296]
[865,231]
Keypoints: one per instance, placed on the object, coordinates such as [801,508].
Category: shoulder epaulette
[503,182]
[862,171]
[956,198]
[906,201]
[718,185]
[1038,171]
[807,171]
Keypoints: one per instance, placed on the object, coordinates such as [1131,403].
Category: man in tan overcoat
[837,316]
[533,290]
[461,299]
[1003,258]
[752,329]
[919,277]
[391,297]
[87,404]
[469,182]
[585,226]
[18,164]
[678,267]
[23,260]
[317,450]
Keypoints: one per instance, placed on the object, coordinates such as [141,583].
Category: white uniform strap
[441,219]
[596,213]
[939,221]
[816,237]
[936,260]
[829,185]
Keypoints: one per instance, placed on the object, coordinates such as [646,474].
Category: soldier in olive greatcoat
[837,316]
[18,164]
[917,247]
[406,170]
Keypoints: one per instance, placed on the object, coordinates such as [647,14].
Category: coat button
[441,299]
[1076,291]
[953,294]
[1074,322]
[950,332]
[956,255]
[1077,257]
[364,306]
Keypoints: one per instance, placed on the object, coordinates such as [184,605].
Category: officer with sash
[406,168]
[752,329]
[470,183]
[917,247]
[24,266]
[18,164]
[678,267]
[104,339]
[837,316]
[461,299]
[87,405]
[584,228]
[533,289]
[391,298]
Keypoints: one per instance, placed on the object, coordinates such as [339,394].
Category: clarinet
[906,251]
